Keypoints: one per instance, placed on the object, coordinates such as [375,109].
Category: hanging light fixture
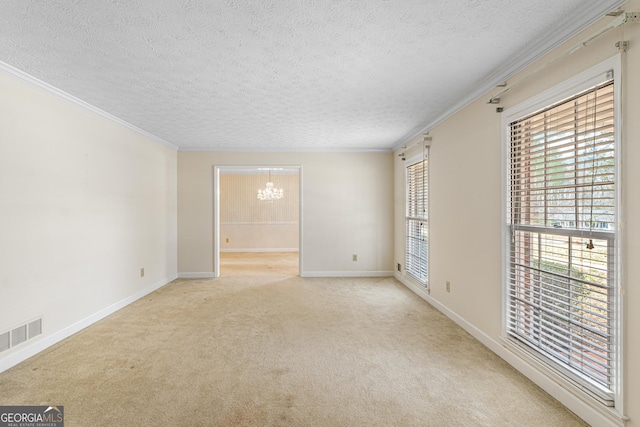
[270,193]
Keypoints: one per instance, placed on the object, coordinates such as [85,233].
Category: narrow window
[560,287]
[417,221]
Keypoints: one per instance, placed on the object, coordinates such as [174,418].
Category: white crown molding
[284,150]
[582,19]
[39,84]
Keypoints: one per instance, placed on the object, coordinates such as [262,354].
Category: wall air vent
[5,341]
[35,328]
[20,334]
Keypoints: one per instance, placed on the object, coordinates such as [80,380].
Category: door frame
[217,169]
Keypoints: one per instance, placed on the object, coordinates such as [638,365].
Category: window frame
[412,161]
[567,89]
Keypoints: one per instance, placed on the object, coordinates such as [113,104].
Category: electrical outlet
[448,286]
[355,257]
[399,267]
[142,272]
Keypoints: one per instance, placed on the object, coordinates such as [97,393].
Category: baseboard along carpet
[261,346]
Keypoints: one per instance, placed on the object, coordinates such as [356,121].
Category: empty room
[320,213]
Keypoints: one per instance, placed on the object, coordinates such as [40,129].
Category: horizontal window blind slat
[600,371]
[605,89]
[590,356]
[545,135]
[579,104]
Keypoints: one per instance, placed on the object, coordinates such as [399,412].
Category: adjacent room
[258,227]
[320,213]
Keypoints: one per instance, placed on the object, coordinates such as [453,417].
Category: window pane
[562,213]
[563,164]
[417,256]
[560,300]
[417,238]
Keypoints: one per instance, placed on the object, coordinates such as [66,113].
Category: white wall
[346,209]
[259,237]
[465,212]
[251,225]
[85,203]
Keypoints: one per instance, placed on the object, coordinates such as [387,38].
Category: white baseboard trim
[346,274]
[579,403]
[31,349]
[260,250]
[203,275]
[422,292]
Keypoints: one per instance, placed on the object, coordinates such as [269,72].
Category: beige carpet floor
[263,347]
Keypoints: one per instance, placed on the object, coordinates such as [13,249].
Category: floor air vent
[20,334]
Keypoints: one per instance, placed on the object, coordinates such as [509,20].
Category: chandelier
[270,193]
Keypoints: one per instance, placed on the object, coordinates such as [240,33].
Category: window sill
[574,396]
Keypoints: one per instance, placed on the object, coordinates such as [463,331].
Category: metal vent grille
[35,328]
[19,335]
[5,341]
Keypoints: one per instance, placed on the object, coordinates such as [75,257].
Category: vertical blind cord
[424,210]
[594,168]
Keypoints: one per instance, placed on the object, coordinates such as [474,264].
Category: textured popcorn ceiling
[276,75]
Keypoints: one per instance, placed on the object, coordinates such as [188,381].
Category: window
[561,278]
[417,221]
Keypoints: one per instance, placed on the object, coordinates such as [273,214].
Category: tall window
[417,217]
[561,262]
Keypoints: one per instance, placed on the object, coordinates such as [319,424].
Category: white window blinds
[417,227]
[562,198]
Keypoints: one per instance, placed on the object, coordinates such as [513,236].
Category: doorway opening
[253,232]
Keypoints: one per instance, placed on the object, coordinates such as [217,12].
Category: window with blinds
[417,229]
[561,261]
